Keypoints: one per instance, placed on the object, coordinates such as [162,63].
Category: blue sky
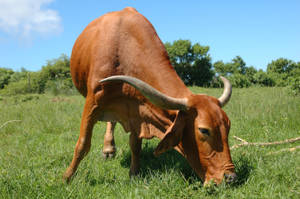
[34,31]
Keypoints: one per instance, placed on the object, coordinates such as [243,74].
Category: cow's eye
[204,131]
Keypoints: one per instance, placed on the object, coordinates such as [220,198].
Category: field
[37,145]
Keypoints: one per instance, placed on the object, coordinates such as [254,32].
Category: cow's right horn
[225,97]
[154,96]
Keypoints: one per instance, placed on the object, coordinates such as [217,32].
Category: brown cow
[122,68]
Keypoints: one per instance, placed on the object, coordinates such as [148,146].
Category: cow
[121,67]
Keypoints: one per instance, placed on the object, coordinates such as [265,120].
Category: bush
[263,79]
[20,87]
[17,76]
[239,81]
[37,82]
[60,86]
[5,75]
[294,85]
[280,80]
[216,82]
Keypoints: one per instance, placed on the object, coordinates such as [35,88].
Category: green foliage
[38,82]
[250,73]
[54,77]
[24,82]
[5,75]
[55,74]
[17,76]
[14,88]
[36,151]
[61,86]
[281,66]
[221,68]
[295,85]
[263,79]
[236,66]
[282,71]
[294,80]
[239,81]
[57,68]
[191,62]
[238,73]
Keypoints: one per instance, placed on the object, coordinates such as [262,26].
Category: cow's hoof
[67,176]
[66,180]
[107,154]
[134,173]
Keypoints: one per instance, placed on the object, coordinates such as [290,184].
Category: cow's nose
[230,177]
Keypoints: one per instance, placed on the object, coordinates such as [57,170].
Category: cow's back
[87,44]
[121,43]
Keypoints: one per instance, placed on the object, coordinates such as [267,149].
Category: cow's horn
[154,96]
[225,97]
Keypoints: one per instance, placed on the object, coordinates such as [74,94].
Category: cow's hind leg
[84,141]
[135,146]
[109,148]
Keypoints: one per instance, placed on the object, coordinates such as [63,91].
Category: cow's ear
[173,134]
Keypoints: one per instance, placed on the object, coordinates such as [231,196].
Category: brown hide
[125,43]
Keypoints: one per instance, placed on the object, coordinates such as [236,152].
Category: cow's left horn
[225,97]
[154,96]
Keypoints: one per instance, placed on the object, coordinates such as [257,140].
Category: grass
[35,152]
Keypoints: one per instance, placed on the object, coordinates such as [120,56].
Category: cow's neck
[150,62]
[160,121]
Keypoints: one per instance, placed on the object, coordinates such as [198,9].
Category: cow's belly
[108,117]
[134,120]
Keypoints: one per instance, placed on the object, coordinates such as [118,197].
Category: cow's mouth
[228,178]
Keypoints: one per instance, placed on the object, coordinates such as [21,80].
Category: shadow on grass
[243,169]
[172,160]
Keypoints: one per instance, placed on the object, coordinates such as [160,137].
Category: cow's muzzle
[230,177]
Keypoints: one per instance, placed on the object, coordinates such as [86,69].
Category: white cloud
[26,17]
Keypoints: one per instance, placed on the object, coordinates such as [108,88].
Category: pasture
[37,145]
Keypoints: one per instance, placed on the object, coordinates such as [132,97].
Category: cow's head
[199,131]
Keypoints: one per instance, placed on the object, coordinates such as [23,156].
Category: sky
[34,31]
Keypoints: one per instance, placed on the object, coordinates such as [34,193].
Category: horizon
[34,31]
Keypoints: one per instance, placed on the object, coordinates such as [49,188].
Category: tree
[294,79]
[56,70]
[280,70]
[191,62]
[263,79]
[239,80]
[221,68]
[238,65]
[250,73]
[236,71]
[281,66]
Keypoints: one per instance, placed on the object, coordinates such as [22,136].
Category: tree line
[192,62]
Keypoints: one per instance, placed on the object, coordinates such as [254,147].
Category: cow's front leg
[84,141]
[109,148]
[135,146]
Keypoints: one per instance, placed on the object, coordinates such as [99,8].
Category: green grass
[35,152]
